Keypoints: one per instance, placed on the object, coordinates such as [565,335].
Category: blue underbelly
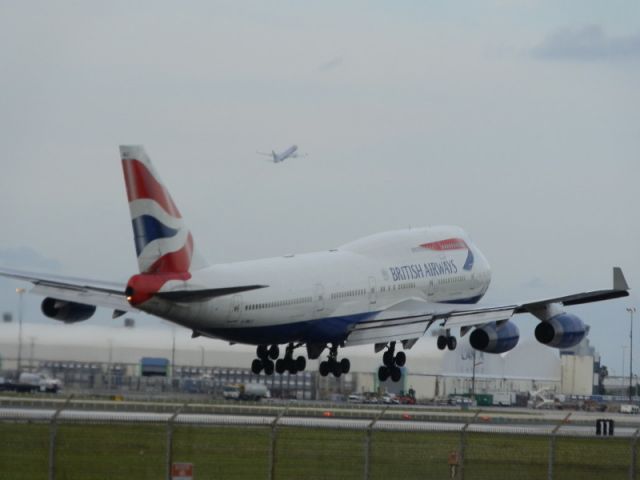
[321,330]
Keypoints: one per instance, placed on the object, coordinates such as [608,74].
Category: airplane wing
[410,319]
[90,292]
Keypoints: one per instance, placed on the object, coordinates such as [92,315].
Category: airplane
[386,289]
[290,152]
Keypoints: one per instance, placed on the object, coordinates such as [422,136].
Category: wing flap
[478,317]
[398,329]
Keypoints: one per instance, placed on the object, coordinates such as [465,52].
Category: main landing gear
[392,363]
[267,355]
[332,365]
[447,341]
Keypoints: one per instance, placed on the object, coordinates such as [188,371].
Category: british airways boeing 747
[386,290]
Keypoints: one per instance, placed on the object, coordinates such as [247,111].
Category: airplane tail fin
[163,242]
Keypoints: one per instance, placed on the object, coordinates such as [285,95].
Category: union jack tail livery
[164,244]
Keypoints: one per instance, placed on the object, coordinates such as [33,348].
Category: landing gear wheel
[442,342]
[383,373]
[336,369]
[387,358]
[324,368]
[401,359]
[274,352]
[256,366]
[288,363]
[262,351]
[301,363]
[268,367]
[396,374]
[345,365]
[452,343]
[280,366]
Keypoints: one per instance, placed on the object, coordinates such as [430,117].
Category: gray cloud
[331,64]
[589,43]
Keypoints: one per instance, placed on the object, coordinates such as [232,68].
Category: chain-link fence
[67,443]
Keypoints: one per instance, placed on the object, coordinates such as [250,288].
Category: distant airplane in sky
[290,152]
[386,290]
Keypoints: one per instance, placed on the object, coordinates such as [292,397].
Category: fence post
[272,444]
[634,454]
[367,443]
[552,447]
[169,452]
[463,444]
[53,433]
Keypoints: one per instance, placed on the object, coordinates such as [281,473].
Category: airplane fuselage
[318,297]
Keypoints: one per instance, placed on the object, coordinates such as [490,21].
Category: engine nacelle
[561,331]
[494,338]
[65,311]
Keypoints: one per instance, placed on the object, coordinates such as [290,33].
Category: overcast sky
[517,120]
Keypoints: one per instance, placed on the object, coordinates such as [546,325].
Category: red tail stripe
[448,244]
[143,287]
[174,262]
[142,185]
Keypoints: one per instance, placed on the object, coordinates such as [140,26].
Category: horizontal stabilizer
[205,294]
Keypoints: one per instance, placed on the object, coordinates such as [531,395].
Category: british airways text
[422,270]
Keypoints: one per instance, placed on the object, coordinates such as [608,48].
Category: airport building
[111,358]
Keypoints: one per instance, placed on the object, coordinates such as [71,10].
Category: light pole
[32,342]
[631,311]
[473,375]
[173,353]
[20,292]
[110,343]
[624,355]
[201,356]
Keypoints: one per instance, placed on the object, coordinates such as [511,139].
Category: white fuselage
[317,297]
[289,152]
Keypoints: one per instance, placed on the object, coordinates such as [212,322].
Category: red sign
[182,471]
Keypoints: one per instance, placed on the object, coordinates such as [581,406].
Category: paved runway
[410,423]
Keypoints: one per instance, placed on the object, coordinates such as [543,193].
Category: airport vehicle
[629,408]
[31,382]
[504,399]
[386,289]
[245,391]
[290,152]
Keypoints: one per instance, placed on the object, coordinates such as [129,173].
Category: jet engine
[561,331]
[495,338]
[65,311]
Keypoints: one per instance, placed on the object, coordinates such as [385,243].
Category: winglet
[619,282]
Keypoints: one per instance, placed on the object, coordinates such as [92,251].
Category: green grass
[114,451]
[223,452]
[24,451]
